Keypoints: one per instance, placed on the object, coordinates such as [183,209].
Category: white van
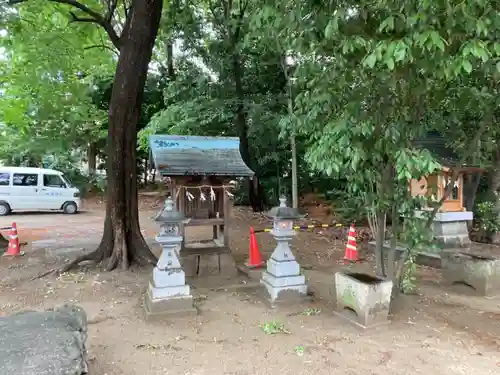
[36,189]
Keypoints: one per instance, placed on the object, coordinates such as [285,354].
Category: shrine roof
[440,149]
[176,155]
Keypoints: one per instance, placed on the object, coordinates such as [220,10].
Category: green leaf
[478,50]
[370,60]
[332,27]
[437,40]
[387,24]
[390,63]
[400,52]
[496,48]
[467,66]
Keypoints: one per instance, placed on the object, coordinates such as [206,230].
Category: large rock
[44,343]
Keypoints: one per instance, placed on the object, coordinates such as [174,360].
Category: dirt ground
[434,332]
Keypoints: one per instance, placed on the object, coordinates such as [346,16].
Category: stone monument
[282,277]
[168,292]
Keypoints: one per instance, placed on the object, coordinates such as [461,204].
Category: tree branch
[93,17]
[239,18]
[103,46]
[75,18]
[112,4]
[218,22]
[125,9]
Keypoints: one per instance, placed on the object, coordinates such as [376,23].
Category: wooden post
[172,189]
[215,228]
[461,191]
[220,210]
[226,206]
[182,208]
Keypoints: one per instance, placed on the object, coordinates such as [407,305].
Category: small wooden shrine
[199,173]
[435,185]
[450,223]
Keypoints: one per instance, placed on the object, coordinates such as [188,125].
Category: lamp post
[282,277]
[168,292]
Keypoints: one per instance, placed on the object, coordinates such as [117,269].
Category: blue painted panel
[158,142]
[175,155]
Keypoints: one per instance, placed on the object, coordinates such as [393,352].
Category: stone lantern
[282,277]
[168,292]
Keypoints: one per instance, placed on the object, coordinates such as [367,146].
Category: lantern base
[169,278]
[285,287]
[283,268]
[180,305]
[161,292]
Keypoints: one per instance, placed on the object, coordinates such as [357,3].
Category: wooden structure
[198,172]
[435,185]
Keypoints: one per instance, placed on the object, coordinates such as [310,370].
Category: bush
[486,219]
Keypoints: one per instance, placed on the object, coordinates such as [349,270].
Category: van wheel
[4,209]
[70,208]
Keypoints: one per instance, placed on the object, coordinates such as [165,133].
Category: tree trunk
[34,162]
[392,254]
[169,52]
[379,244]
[153,177]
[122,243]
[494,176]
[293,145]
[471,184]
[255,192]
[384,189]
[146,170]
[295,185]
[92,158]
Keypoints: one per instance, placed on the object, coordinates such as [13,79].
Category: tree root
[121,246]
[93,256]
[141,255]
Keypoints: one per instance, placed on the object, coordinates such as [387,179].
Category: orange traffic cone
[254,257]
[351,250]
[14,248]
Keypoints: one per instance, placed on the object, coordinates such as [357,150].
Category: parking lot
[41,230]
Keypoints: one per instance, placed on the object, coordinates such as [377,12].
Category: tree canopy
[353,84]
[49,67]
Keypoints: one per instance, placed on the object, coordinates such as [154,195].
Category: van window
[53,180]
[25,179]
[67,181]
[4,179]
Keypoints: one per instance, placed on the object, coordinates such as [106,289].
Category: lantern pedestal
[450,228]
[162,307]
[282,278]
[168,292]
